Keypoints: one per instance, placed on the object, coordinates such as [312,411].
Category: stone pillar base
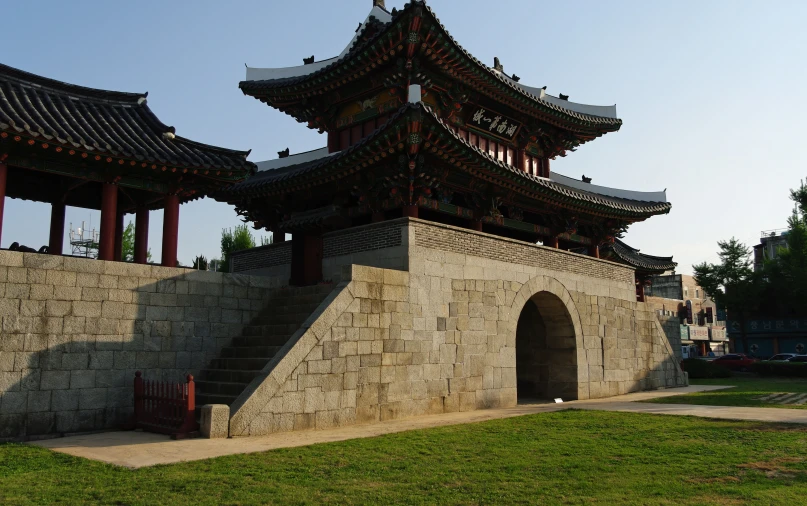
[215,421]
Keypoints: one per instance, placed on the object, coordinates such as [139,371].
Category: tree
[200,263]
[732,283]
[233,240]
[787,272]
[127,248]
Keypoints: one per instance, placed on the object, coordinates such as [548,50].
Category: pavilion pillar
[56,240]
[278,236]
[306,259]
[109,218]
[118,255]
[476,225]
[170,230]
[546,167]
[141,242]
[3,172]
[554,242]
[639,290]
[410,211]
[594,250]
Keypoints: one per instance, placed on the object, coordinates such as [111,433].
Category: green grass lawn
[747,390]
[569,457]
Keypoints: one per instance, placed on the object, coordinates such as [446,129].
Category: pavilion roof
[363,54]
[108,124]
[621,252]
[444,145]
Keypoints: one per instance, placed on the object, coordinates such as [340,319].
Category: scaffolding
[83,242]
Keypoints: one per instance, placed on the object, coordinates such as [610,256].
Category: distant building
[682,305]
[770,242]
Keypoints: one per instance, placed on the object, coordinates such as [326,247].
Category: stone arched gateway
[547,335]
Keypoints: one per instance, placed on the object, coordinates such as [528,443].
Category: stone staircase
[238,364]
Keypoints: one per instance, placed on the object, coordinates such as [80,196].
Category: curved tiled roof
[631,256]
[552,191]
[505,83]
[100,122]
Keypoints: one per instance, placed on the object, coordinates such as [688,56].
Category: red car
[735,361]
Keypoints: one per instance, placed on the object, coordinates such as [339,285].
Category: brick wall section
[448,238]
[74,331]
[367,238]
[261,257]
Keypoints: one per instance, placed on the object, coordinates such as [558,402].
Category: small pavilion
[68,145]
[646,265]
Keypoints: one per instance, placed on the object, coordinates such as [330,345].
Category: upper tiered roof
[379,46]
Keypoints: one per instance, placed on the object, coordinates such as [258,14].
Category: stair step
[248,351]
[271,340]
[269,330]
[240,364]
[202,399]
[219,387]
[228,375]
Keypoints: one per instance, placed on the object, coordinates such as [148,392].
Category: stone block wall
[74,331]
[440,337]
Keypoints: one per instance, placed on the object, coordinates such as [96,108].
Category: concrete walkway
[140,449]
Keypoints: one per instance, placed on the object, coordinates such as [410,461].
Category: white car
[781,357]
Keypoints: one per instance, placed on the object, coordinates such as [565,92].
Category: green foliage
[200,263]
[567,457]
[128,244]
[697,368]
[787,273]
[732,283]
[781,369]
[232,240]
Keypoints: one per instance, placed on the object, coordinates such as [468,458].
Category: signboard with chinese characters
[689,312]
[698,333]
[770,326]
[717,334]
[493,123]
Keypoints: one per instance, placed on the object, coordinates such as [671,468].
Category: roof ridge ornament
[497,65]
[283,154]
[309,60]
[379,3]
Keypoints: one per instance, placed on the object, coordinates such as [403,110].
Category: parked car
[735,361]
[798,358]
[781,357]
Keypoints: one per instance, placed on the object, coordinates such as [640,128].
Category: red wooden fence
[167,408]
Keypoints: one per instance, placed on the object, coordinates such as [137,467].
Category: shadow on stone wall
[72,340]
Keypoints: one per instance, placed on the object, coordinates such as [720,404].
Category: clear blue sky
[710,92]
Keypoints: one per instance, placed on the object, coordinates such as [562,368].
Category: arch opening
[546,350]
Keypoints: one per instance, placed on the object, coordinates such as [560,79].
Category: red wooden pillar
[56,240]
[306,259]
[639,290]
[476,225]
[594,251]
[109,217]
[546,167]
[410,211]
[170,230]
[553,242]
[119,238]
[3,171]
[141,244]
[333,141]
